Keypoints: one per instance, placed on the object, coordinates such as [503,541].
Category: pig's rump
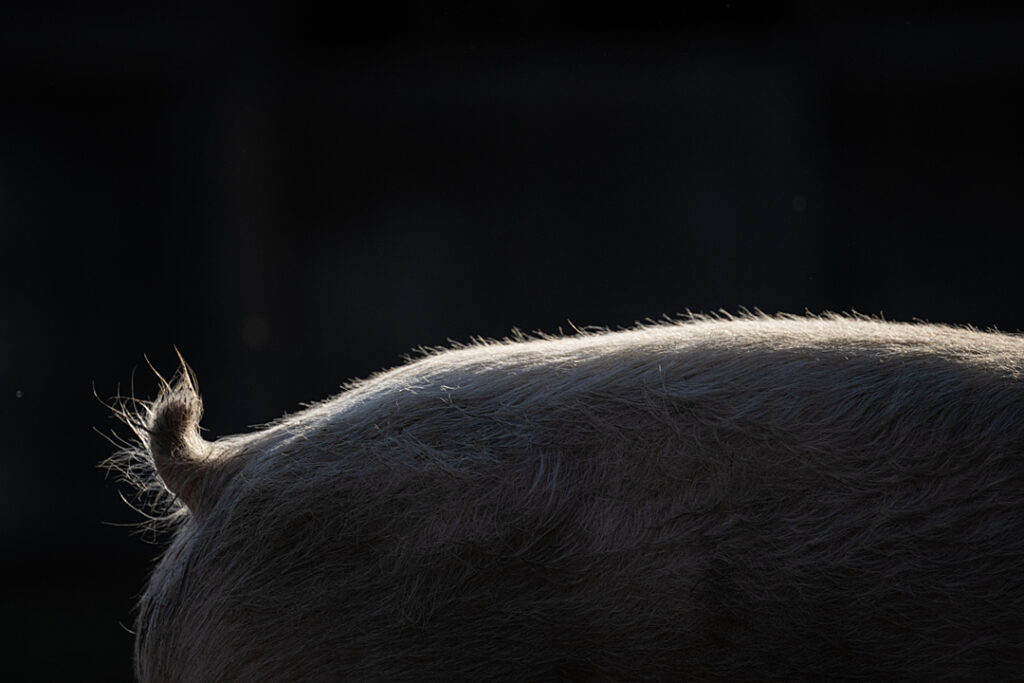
[744,499]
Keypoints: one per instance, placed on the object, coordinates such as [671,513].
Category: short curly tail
[171,435]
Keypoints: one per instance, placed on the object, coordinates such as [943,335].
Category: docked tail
[171,434]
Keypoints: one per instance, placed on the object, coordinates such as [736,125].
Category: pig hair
[722,498]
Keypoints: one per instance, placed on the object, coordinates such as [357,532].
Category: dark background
[297,197]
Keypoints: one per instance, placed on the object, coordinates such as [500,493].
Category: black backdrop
[295,197]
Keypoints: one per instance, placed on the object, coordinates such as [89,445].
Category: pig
[717,498]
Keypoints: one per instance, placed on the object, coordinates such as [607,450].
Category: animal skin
[716,499]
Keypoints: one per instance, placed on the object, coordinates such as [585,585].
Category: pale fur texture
[760,498]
